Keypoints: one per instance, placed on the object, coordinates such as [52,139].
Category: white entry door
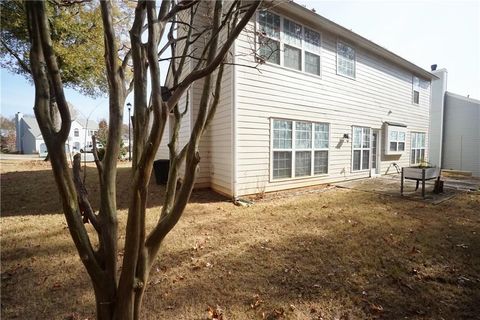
[375,154]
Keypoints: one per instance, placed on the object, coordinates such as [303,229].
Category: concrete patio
[390,185]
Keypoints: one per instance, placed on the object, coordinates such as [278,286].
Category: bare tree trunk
[119,296]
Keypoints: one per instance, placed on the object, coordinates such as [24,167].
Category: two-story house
[29,138]
[328,105]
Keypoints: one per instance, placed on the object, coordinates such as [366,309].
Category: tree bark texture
[119,291]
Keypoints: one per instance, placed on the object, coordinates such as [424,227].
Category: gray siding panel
[461,136]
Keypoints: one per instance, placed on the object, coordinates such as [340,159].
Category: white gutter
[234,122]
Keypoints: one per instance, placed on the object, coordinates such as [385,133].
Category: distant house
[454,128]
[327,105]
[29,139]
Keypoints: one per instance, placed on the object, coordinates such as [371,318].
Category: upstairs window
[269,24]
[418,148]
[312,41]
[292,52]
[292,33]
[292,57]
[284,42]
[416,90]
[269,39]
[76,133]
[312,52]
[345,60]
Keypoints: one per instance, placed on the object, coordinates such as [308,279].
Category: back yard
[328,254]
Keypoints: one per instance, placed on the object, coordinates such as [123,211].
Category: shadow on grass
[394,260]
[362,270]
[35,192]
[42,276]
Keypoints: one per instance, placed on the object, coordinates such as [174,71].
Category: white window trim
[282,43]
[424,148]
[361,150]
[354,59]
[293,150]
[398,129]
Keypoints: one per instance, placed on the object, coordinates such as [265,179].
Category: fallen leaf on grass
[56,286]
[215,313]
[256,302]
[274,315]
[414,250]
[376,307]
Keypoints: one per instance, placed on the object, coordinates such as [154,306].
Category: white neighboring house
[81,134]
[29,139]
[454,128]
[328,105]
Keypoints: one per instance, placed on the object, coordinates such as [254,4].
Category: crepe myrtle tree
[195,54]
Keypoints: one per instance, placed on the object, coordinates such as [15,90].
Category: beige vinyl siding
[219,136]
[380,92]
[215,167]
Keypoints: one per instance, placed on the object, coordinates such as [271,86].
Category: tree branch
[54,75]
[184,5]
[127,57]
[22,63]
[98,163]
[36,17]
[82,194]
[198,74]
[169,219]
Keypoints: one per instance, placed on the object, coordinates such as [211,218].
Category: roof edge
[347,34]
[459,96]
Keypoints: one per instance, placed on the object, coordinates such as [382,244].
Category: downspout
[234,122]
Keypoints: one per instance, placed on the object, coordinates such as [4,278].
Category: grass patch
[339,254]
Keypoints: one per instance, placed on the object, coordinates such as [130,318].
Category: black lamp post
[129,105]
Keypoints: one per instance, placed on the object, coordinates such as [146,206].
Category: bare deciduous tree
[196,54]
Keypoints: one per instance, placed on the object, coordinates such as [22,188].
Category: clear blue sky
[425,32]
[446,33]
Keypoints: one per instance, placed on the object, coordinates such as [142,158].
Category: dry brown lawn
[335,254]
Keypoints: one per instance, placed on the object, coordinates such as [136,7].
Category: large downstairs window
[361,148]
[418,148]
[287,43]
[300,148]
